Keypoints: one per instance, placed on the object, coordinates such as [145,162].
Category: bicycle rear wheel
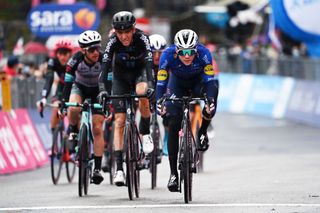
[57,150]
[70,163]
[83,154]
[155,134]
[129,160]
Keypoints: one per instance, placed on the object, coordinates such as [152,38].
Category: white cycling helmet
[157,42]
[185,39]
[89,38]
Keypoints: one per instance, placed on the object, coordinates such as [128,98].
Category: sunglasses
[93,49]
[185,52]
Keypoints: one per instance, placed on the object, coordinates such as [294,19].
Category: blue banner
[304,104]
[57,19]
[42,126]
[299,20]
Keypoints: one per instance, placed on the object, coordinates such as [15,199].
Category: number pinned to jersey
[162,75]
[209,70]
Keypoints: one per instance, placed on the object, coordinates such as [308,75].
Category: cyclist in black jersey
[57,64]
[128,57]
[81,80]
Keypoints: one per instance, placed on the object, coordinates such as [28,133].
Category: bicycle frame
[188,155]
[85,151]
[131,144]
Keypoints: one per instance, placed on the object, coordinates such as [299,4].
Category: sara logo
[58,19]
[209,69]
[162,75]
[85,18]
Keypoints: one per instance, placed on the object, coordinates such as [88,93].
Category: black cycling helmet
[123,20]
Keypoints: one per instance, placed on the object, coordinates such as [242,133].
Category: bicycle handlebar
[125,96]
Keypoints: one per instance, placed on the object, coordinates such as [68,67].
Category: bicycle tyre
[191,160]
[56,160]
[112,163]
[136,141]
[83,157]
[153,164]
[129,161]
[186,164]
[70,163]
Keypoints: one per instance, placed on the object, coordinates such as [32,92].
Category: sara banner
[45,20]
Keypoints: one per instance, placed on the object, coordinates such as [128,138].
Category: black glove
[150,94]
[210,106]
[102,95]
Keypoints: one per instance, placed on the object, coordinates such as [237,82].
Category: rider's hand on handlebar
[150,93]
[161,109]
[102,95]
[62,112]
[41,104]
[210,106]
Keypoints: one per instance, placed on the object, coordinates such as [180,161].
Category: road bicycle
[188,156]
[60,151]
[133,155]
[84,149]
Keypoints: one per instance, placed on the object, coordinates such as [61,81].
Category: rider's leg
[74,114]
[98,146]
[144,126]
[54,118]
[118,147]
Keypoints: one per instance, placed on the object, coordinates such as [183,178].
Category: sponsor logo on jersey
[209,69]
[162,75]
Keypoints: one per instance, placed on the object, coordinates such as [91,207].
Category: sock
[97,162]
[119,160]
[204,125]
[144,126]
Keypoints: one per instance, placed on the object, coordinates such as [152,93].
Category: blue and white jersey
[172,67]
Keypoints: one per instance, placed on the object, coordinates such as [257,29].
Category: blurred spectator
[12,66]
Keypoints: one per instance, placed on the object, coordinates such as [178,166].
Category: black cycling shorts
[124,82]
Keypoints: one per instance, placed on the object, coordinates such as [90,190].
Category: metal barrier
[300,68]
[26,91]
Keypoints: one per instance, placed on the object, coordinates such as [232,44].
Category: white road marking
[164,206]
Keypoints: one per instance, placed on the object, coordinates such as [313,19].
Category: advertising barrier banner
[304,104]
[20,146]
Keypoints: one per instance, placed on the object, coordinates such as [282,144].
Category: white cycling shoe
[119,178]
[147,144]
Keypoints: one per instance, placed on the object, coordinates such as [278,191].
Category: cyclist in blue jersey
[81,82]
[185,68]
[158,43]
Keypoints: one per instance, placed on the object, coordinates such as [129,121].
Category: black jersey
[54,66]
[136,56]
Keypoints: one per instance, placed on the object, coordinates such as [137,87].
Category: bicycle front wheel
[70,163]
[129,160]
[136,153]
[57,150]
[83,154]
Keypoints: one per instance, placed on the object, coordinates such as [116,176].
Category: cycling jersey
[53,66]
[135,58]
[199,72]
[84,75]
